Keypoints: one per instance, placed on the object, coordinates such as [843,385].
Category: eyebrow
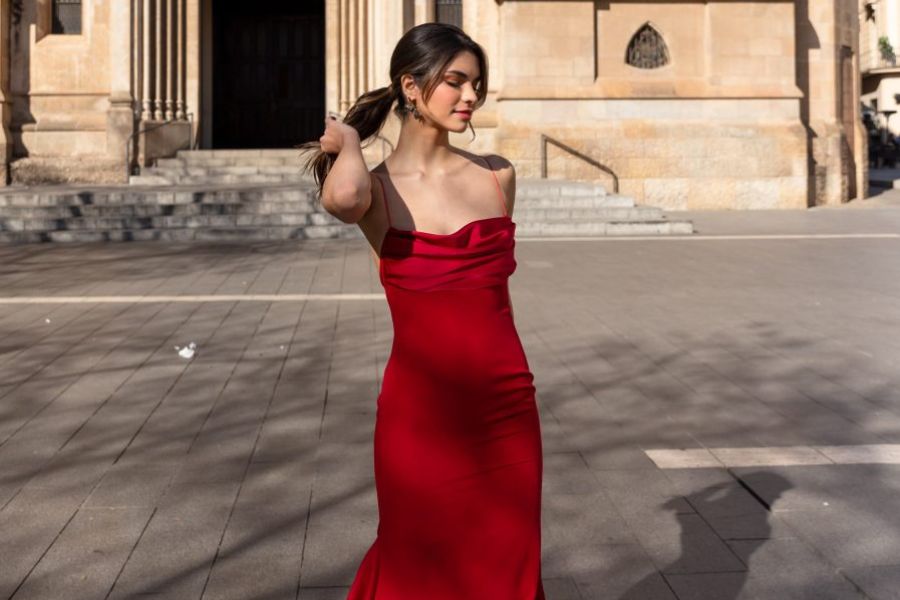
[463,74]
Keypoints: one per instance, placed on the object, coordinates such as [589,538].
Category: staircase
[558,207]
[261,195]
[224,167]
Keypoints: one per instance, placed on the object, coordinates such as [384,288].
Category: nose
[469,94]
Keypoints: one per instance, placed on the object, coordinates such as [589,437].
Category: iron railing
[546,139]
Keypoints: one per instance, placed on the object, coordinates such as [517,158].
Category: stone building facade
[685,105]
[879,40]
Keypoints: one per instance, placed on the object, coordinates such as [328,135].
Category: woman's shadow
[754,530]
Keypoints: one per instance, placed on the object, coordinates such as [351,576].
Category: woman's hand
[337,135]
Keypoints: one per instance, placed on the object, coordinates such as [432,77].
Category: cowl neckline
[394,232]
[478,254]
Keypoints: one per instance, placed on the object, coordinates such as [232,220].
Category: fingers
[325,140]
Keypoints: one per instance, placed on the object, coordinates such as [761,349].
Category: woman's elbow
[347,203]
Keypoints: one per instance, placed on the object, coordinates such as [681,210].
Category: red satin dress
[458,454]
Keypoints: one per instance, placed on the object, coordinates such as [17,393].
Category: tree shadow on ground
[709,501]
[606,398]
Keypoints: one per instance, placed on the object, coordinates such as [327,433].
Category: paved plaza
[720,413]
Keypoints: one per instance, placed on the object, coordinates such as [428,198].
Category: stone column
[181,80]
[137,56]
[350,52]
[120,117]
[159,43]
[344,52]
[5,98]
[834,26]
[170,50]
[424,11]
[146,33]
[162,68]
[194,59]
[353,56]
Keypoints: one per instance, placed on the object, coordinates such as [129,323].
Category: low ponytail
[424,52]
[367,116]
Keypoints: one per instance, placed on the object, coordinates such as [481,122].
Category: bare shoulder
[501,166]
[506,175]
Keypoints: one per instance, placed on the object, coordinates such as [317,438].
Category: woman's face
[454,93]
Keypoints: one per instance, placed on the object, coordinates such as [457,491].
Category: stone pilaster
[120,118]
[349,51]
[5,99]
[159,106]
[828,48]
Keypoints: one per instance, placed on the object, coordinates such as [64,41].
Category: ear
[409,87]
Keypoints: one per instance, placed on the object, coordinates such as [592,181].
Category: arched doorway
[268,72]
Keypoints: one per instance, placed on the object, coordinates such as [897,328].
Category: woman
[457,445]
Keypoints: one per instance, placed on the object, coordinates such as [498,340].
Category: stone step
[250,154]
[155,196]
[341,231]
[553,215]
[587,201]
[242,209]
[530,186]
[166,194]
[140,180]
[190,171]
[604,228]
[304,206]
[176,179]
[209,162]
[237,218]
[161,210]
[168,222]
[222,167]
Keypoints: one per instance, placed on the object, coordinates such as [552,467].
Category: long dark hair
[424,52]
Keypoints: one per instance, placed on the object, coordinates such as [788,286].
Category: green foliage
[887,51]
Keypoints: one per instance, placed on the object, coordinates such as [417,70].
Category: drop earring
[411,108]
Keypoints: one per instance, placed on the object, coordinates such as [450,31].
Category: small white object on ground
[187,351]
[46,320]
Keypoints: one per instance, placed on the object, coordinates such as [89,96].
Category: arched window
[66,17]
[647,49]
[448,11]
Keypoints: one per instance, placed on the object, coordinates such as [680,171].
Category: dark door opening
[268,72]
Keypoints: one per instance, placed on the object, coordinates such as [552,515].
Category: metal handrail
[545,139]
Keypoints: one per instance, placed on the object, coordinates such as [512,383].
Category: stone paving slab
[127,471]
[878,583]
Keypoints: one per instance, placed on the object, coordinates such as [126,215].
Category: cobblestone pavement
[720,414]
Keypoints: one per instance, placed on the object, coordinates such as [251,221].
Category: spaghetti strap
[500,195]
[384,201]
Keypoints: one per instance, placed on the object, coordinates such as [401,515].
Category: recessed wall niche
[647,49]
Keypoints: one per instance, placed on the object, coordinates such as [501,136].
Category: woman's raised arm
[347,189]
